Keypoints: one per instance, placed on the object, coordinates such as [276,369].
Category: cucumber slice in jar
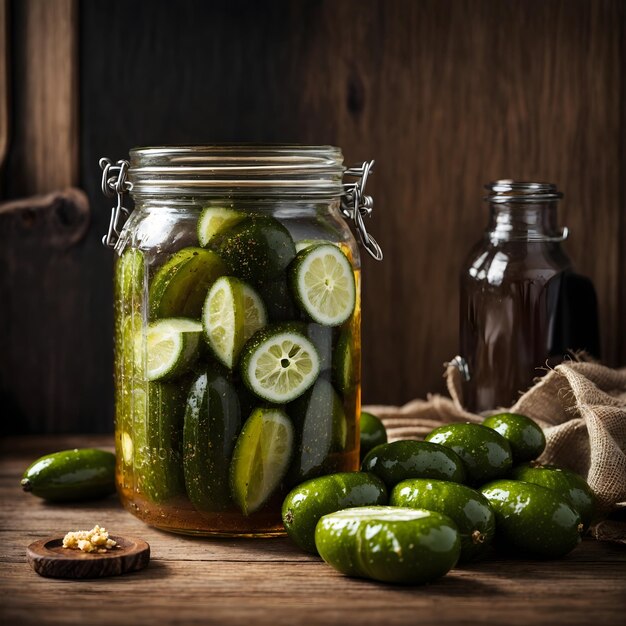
[171,347]
[180,285]
[212,423]
[258,249]
[215,220]
[322,280]
[129,277]
[232,313]
[343,362]
[320,429]
[156,445]
[279,363]
[261,458]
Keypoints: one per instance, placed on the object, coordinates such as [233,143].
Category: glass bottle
[522,306]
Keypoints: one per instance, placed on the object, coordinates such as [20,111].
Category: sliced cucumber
[261,458]
[156,443]
[171,346]
[320,429]
[214,221]
[322,280]
[232,313]
[212,423]
[180,285]
[343,362]
[279,363]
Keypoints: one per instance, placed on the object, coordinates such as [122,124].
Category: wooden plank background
[444,94]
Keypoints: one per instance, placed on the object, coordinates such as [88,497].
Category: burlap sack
[580,405]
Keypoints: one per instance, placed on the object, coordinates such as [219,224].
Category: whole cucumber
[533,520]
[308,502]
[70,475]
[401,460]
[468,509]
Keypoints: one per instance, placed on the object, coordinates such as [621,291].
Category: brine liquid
[138,410]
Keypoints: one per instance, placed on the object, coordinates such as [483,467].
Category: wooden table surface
[267,581]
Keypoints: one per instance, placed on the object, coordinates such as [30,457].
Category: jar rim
[236,169]
[517,191]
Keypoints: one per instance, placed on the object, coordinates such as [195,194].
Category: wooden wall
[444,94]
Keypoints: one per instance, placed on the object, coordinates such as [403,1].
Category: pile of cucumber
[236,378]
[417,508]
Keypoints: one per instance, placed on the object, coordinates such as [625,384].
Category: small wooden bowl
[49,558]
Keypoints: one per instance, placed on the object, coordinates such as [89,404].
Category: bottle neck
[512,221]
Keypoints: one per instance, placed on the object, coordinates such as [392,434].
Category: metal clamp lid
[356,205]
[114,183]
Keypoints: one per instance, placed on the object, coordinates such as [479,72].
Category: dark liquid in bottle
[522,308]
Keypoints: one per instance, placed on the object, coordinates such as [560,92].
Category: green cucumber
[485,453]
[400,460]
[71,475]
[261,458]
[343,366]
[469,510]
[525,436]
[373,433]
[129,279]
[157,437]
[279,363]
[212,423]
[258,249]
[533,520]
[322,280]
[567,484]
[321,428]
[308,502]
[390,544]
[180,285]
[214,222]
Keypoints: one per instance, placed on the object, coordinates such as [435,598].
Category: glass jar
[237,330]
[522,306]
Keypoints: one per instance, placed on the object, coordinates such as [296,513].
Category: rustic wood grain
[194,581]
[44,147]
[4,81]
[442,94]
[39,368]
[445,94]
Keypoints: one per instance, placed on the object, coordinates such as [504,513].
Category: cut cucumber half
[322,280]
[307,243]
[180,285]
[216,220]
[232,313]
[279,363]
[171,346]
[261,458]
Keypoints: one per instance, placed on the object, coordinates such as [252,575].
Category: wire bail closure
[356,205]
[114,183]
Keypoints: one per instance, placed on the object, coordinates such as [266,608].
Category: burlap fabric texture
[580,405]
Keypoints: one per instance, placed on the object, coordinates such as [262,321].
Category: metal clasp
[114,183]
[356,205]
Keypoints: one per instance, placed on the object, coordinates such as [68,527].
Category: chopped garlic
[94,540]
